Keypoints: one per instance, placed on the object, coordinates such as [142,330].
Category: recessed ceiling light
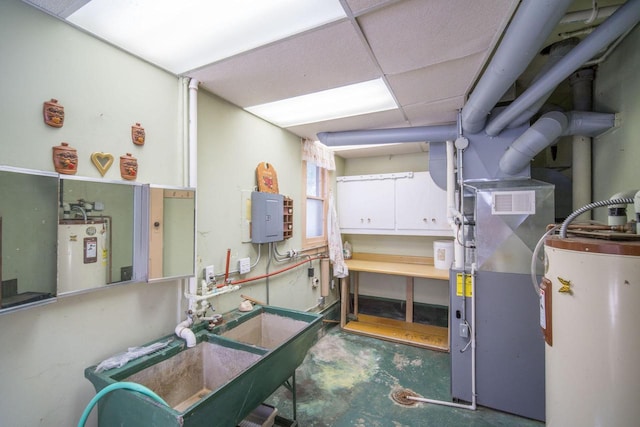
[361,98]
[182,36]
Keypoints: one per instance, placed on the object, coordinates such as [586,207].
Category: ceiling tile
[329,57]
[434,113]
[440,81]
[416,33]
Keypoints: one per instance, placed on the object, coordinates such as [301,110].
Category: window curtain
[318,153]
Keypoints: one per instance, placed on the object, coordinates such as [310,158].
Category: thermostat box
[266,217]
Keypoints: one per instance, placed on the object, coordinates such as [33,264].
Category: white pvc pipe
[218,291]
[581,85]
[586,15]
[183,331]
[452,212]
[193,168]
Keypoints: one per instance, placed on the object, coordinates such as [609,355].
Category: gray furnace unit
[505,220]
[266,217]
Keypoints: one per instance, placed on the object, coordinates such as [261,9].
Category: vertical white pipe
[193,168]
[582,87]
[473,406]
[452,212]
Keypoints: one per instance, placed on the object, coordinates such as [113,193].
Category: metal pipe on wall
[617,24]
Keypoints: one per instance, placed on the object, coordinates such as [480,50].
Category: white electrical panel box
[266,217]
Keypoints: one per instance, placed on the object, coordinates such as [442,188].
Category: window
[315,205]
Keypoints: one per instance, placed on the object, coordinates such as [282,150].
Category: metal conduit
[617,24]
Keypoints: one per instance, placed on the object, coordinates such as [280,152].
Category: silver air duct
[531,25]
[546,130]
[620,22]
[383,136]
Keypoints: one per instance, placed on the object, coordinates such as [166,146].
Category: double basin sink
[231,371]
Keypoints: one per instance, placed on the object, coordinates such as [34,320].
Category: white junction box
[209,276]
[244,265]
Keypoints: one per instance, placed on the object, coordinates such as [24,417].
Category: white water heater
[590,317]
[83,254]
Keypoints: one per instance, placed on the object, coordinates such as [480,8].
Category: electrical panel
[266,217]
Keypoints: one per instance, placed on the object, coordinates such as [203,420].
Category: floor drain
[401,396]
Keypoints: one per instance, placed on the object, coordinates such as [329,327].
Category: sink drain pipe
[473,405]
[115,386]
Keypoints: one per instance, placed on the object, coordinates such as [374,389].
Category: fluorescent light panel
[183,35]
[361,98]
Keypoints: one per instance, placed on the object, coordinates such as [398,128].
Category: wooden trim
[405,259]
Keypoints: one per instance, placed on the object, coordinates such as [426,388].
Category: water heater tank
[592,374]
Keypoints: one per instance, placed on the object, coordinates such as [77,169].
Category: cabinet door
[421,204]
[366,204]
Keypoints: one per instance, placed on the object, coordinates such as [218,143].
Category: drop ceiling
[430,54]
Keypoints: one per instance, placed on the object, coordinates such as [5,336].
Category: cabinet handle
[368,220]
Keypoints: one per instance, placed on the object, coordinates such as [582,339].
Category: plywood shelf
[416,334]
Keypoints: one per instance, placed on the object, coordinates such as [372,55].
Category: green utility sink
[229,372]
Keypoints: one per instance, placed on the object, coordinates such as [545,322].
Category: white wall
[44,350]
[617,153]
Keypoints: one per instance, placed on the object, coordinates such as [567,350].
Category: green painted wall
[231,144]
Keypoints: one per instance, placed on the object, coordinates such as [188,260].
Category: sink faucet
[183,330]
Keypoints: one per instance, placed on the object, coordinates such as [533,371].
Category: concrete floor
[348,380]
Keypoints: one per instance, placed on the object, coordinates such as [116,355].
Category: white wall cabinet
[367,203]
[407,203]
[421,205]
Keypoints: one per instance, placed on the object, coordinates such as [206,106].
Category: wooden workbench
[406,332]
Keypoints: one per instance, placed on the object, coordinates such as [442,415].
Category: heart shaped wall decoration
[102,161]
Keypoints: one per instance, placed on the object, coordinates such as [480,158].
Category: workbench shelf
[405,332]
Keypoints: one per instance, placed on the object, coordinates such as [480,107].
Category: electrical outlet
[209,276]
[244,265]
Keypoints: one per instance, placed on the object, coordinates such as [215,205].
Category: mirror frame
[150,221]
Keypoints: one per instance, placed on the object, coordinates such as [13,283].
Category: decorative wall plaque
[128,167]
[65,159]
[53,113]
[102,161]
[137,134]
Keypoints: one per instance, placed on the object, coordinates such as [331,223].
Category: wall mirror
[171,232]
[99,234]
[28,237]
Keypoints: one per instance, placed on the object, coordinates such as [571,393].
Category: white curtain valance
[318,153]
